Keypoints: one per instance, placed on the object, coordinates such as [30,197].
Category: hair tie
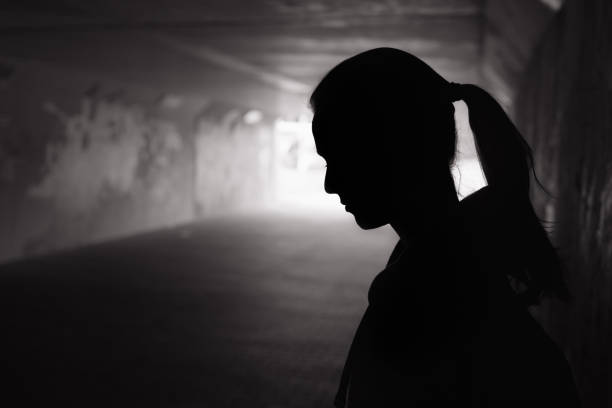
[455,91]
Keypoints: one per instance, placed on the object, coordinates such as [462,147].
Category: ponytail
[507,162]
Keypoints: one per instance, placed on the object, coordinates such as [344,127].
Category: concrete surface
[565,110]
[242,311]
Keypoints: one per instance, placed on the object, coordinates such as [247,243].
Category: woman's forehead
[339,121]
[328,127]
[332,143]
[325,119]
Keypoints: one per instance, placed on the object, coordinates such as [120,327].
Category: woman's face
[359,169]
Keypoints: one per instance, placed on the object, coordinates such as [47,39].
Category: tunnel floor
[245,311]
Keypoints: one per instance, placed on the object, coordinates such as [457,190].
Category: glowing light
[300,171]
[252,117]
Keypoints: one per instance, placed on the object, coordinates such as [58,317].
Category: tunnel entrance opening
[299,170]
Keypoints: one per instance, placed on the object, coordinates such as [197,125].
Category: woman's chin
[367,223]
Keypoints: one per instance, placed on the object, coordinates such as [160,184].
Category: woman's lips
[347,206]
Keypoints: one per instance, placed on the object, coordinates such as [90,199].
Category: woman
[444,327]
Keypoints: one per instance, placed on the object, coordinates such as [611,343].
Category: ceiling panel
[284,45]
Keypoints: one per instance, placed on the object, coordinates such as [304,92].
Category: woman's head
[384,123]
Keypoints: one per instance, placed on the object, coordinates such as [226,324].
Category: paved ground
[248,311]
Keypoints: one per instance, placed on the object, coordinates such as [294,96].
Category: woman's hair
[388,86]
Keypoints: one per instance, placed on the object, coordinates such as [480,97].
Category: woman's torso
[444,328]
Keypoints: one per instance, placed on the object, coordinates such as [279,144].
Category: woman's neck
[432,224]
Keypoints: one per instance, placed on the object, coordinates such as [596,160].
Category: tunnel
[165,236]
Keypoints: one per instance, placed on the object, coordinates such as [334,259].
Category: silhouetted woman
[444,326]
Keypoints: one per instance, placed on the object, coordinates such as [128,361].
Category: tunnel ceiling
[246,50]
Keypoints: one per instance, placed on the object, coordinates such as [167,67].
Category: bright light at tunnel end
[299,170]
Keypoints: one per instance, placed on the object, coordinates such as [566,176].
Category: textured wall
[234,158]
[84,159]
[510,31]
[565,109]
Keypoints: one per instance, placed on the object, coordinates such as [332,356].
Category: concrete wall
[85,159]
[564,107]
[234,152]
[510,31]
